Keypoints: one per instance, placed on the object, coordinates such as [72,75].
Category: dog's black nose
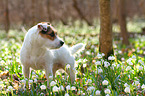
[61,42]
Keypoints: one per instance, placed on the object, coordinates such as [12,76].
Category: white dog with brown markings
[43,49]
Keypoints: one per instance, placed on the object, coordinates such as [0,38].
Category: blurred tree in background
[28,12]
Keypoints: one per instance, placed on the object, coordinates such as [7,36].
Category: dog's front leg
[26,71]
[49,74]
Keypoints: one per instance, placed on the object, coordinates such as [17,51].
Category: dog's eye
[43,32]
[52,34]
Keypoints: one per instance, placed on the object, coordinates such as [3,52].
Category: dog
[43,49]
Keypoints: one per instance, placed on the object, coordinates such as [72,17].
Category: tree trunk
[122,21]
[33,11]
[48,10]
[105,37]
[7,20]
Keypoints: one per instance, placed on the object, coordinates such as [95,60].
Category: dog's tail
[77,47]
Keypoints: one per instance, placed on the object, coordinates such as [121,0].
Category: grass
[123,74]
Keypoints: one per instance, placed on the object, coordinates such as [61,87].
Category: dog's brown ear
[48,23]
[41,27]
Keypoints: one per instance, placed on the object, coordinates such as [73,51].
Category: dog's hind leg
[26,71]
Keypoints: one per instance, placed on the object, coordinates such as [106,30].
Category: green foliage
[123,70]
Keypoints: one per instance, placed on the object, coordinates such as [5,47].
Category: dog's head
[49,36]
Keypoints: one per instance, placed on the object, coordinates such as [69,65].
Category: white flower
[133,57]
[73,88]
[107,95]
[89,89]
[136,82]
[99,56]
[55,89]
[143,86]
[97,92]
[111,58]
[126,85]
[98,63]
[89,81]
[23,81]
[106,64]
[35,80]
[43,87]
[107,91]
[127,90]
[105,82]
[140,67]
[103,54]
[128,68]
[52,83]
[61,88]
[80,92]
[50,77]
[67,66]
[30,81]
[100,70]
[68,87]
[10,88]
[66,94]
[120,52]
[129,61]
[84,65]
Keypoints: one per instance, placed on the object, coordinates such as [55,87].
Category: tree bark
[48,10]
[122,21]
[33,11]
[105,37]
[7,20]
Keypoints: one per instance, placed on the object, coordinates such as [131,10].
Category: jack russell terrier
[43,49]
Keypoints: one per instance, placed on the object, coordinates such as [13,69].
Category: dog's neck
[32,46]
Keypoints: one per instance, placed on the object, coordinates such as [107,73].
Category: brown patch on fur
[50,34]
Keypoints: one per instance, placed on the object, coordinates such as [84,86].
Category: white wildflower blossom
[126,85]
[73,88]
[30,81]
[89,81]
[107,95]
[98,63]
[99,56]
[84,65]
[35,80]
[90,89]
[55,89]
[23,81]
[50,77]
[140,67]
[127,90]
[66,94]
[9,89]
[107,91]
[106,64]
[143,86]
[100,70]
[120,52]
[133,57]
[61,88]
[105,82]
[52,83]
[68,87]
[103,54]
[97,92]
[43,87]
[67,66]
[111,58]
[128,68]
